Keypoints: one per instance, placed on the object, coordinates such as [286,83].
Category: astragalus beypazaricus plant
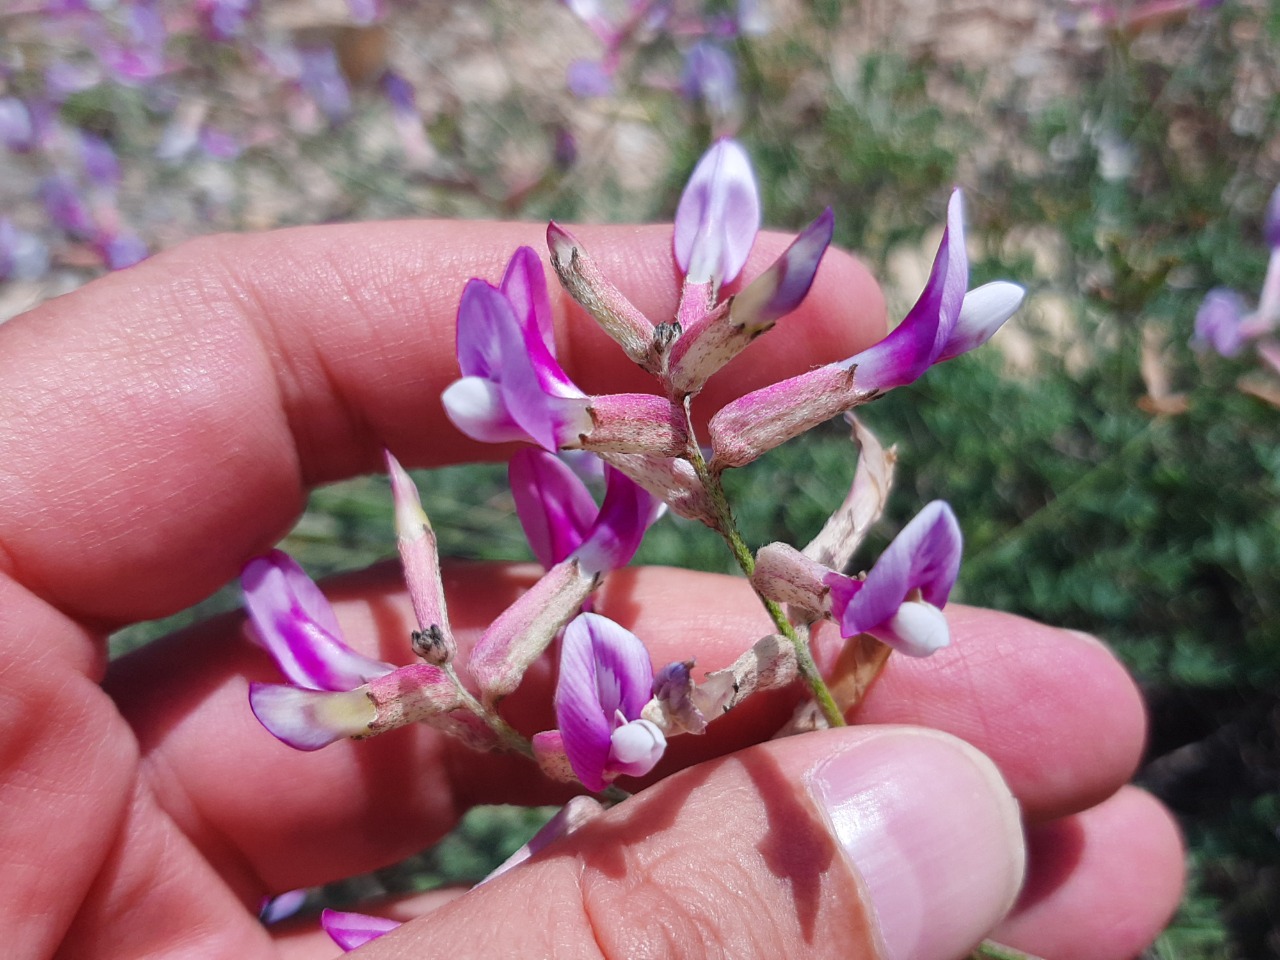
[614,712]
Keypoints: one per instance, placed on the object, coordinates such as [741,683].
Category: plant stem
[510,737]
[727,527]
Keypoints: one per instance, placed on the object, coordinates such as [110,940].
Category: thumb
[866,843]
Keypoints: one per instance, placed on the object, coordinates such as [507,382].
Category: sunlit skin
[164,424]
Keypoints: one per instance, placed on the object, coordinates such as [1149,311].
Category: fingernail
[934,834]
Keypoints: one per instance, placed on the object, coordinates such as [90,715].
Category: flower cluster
[68,66]
[614,714]
[1224,321]
[709,74]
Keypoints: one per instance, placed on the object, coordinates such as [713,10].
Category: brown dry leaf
[1160,398]
[840,536]
[856,669]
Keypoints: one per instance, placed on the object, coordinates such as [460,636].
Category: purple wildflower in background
[606,678]
[320,78]
[1224,321]
[23,255]
[900,600]
[711,78]
[223,20]
[17,125]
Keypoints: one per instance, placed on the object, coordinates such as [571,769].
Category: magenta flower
[512,387]
[293,621]
[945,322]
[351,930]
[1224,320]
[718,216]
[560,517]
[900,600]
[606,678]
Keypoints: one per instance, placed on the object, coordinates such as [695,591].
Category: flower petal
[351,930]
[635,748]
[310,719]
[627,512]
[925,556]
[294,622]
[982,313]
[718,216]
[525,285]
[604,670]
[476,407]
[918,629]
[555,508]
[1218,322]
[916,343]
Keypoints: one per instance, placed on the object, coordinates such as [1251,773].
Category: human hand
[164,425]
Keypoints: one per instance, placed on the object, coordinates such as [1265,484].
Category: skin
[163,426]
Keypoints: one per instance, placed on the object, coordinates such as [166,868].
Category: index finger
[166,422]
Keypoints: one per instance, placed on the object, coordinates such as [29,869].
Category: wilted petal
[555,508]
[841,535]
[294,622]
[917,342]
[921,563]
[311,719]
[718,216]
[782,287]
[351,930]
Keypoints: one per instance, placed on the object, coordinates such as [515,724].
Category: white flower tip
[919,629]
[636,747]
[718,215]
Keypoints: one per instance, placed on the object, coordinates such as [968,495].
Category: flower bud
[526,628]
[583,280]
[756,423]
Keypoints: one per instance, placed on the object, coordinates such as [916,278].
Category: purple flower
[351,930]
[945,322]
[710,78]
[900,600]
[293,621]
[101,165]
[17,125]
[561,519]
[718,216]
[225,19]
[1218,322]
[606,678]
[1224,321]
[512,388]
[121,248]
[321,79]
[23,255]
[588,79]
[66,207]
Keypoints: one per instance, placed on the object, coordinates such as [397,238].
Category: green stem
[727,527]
[990,950]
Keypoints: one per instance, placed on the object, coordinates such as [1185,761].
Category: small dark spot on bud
[665,334]
[432,645]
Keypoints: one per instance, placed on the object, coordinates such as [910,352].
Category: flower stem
[727,527]
[509,736]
